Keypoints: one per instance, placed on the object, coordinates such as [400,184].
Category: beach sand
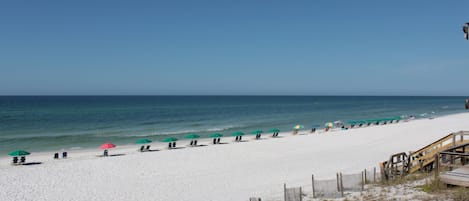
[234,171]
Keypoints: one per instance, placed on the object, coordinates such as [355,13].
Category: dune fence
[334,187]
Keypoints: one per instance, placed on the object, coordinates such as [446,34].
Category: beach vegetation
[461,194]
[433,186]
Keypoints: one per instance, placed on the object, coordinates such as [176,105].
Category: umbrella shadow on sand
[152,150]
[177,148]
[199,145]
[277,137]
[116,154]
[32,163]
[111,155]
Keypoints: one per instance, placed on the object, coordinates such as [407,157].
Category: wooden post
[437,165]
[312,178]
[374,174]
[301,194]
[463,158]
[341,186]
[454,139]
[365,174]
[285,191]
[338,182]
[363,180]
[451,162]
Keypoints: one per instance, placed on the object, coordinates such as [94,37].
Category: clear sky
[233,47]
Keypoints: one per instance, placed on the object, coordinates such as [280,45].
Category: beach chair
[105,153]
[15,161]
[195,142]
[147,148]
[142,148]
[218,140]
[64,154]
[56,156]
[192,143]
[214,140]
[174,144]
[170,145]
[22,159]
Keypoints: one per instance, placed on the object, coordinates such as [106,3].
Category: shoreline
[206,140]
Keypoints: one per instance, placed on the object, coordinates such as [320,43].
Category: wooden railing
[425,156]
[455,156]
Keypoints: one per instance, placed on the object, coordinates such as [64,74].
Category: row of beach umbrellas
[213,135]
[106,146]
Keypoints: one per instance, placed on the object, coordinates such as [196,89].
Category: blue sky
[233,47]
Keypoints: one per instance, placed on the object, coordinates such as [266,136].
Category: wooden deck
[458,177]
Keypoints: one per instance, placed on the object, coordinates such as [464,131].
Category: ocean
[48,123]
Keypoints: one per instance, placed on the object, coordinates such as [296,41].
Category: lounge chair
[192,143]
[142,148]
[105,153]
[195,142]
[214,140]
[174,144]
[64,154]
[56,156]
[22,159]
[15,161]
[218,141]
[147,148]
[170,145]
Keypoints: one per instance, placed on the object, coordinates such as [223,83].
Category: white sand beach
[231,172]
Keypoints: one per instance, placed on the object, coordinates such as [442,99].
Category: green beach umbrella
[18,153]
[216,135]
[274,130]
[143,141]
[256,132]
[192,136]
[170,139]
[239,133]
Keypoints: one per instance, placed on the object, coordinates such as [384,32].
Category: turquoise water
[43,123]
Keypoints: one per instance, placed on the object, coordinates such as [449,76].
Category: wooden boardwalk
[458,177]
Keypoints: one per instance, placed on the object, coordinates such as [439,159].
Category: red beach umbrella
[107,146]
